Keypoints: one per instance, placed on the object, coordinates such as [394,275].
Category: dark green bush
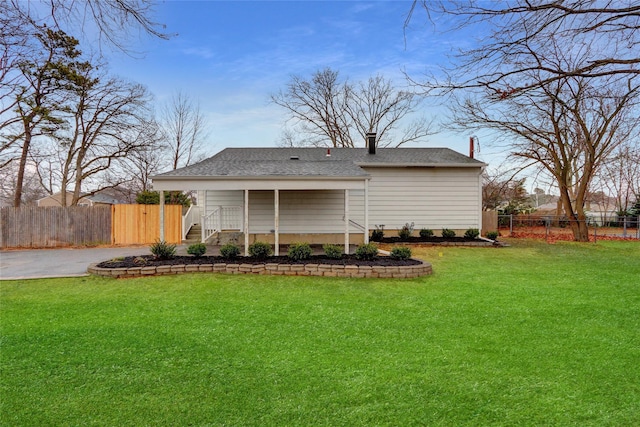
[493,235]
[197,249]
[448,233]
[260,250]
[400,252]
[230,251]
[163,250]
[378,234]
[406,231]
[148,197]
[426,232]
[367,252]
[333,251]
[472,233]
[299,251]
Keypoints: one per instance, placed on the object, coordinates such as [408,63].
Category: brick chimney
[371,142]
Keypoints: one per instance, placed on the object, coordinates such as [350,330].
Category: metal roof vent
[294,158]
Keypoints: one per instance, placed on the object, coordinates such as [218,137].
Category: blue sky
[230,56]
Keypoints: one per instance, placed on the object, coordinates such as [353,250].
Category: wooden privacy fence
[56,226]
[42,227]
[489,221]
[140,224]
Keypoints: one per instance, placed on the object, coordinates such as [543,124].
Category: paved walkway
[46,263]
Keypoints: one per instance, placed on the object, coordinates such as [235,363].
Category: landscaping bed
[149,260]
[347,266]
[444,241]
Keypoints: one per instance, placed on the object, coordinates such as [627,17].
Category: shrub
[448,233]
[400,252]
[426,233]
[299,251]
[230,251]
[170,198]
[406,231]
[197,249]
[260,250]
[333,251]
[493,235]
[367,252]
[378,234]
[162,250]
[472,233]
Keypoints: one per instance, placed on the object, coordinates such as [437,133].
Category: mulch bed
[434,239]
[150,260]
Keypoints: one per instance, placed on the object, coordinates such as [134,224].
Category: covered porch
[261,208]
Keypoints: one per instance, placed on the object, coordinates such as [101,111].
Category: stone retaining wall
[397,272]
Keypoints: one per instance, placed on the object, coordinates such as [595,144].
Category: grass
[533,334]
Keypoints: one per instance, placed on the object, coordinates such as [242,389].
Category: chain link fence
[559,227]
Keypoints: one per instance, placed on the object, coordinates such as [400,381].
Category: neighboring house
[337,195]
[98,199]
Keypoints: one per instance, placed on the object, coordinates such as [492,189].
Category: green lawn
[532,334]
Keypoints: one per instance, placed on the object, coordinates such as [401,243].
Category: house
[98,199]
[337,195]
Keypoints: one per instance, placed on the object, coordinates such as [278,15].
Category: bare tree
[116,22]
[556,80]
[141,164]
[502,189]
[107,117]
[184,130]
[32,190]
[620,176]
[319,107]
[328,111]
[605,33]
[40,99]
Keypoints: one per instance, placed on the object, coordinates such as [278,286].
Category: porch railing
[356,225]
[221,218]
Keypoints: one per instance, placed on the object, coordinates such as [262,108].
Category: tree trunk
[576,216]
[580,230]
[17,197]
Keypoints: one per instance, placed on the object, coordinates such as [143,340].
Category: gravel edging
[275,269]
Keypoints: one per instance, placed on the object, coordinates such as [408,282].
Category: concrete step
[194,235]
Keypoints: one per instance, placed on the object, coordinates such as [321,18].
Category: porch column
[246,222]
[161,215]
[276,220]
[346,222]
[366,211]
[203,214]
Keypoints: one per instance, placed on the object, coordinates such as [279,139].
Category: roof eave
[422,165]
[257,177]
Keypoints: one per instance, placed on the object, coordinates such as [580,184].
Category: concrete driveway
[45,263]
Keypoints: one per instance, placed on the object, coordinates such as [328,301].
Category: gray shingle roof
[314,162]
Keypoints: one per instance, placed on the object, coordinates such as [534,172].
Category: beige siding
[314,211]
[300,211]
[431,198]
[215,198]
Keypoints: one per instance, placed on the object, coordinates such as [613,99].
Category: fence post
[624,227]
[595,233]
[547,225]
[511,225]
